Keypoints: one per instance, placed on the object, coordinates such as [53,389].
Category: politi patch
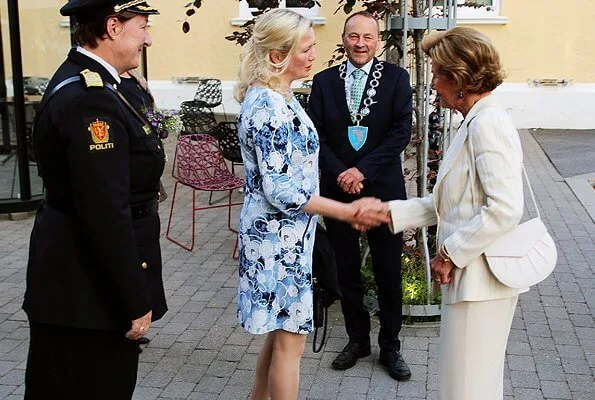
[100,136]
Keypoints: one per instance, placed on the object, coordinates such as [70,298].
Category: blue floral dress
[280,152]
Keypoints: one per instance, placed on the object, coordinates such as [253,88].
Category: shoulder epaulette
[91,79]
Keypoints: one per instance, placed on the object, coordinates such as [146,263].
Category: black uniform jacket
[389,131]
[90,265]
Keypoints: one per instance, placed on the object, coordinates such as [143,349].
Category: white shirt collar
[366,68]
[101,61]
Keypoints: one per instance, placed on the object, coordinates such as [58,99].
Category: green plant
[415,288]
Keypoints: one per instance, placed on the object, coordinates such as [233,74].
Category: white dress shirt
[349,77]
[101,61]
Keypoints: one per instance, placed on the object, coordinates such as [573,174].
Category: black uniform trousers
[385,249]
[67,363]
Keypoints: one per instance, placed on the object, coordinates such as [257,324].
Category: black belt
[143,210]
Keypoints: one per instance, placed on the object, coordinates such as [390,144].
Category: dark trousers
[73,364]
[385,249]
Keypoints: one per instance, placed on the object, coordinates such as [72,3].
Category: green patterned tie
[357,90]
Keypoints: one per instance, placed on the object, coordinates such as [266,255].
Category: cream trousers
[473,337]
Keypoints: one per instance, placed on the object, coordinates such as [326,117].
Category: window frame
[245,13]
[474,16]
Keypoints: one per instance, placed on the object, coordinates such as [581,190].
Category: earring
[460,95]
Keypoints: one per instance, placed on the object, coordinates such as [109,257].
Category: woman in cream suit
[478,197]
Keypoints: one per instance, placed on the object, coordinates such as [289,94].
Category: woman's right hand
[140,326]
[368,212]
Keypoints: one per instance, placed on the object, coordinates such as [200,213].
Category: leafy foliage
[191,9]
[413,271]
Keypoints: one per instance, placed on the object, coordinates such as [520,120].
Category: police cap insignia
[91,79]
[87,8]
[136,6]
[100,137]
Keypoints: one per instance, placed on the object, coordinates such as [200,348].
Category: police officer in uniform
[94,273]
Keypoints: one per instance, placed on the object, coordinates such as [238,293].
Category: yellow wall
[44,44]
[546,39]
[542,39]
[204,51]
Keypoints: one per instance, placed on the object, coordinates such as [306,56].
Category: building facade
[546,46]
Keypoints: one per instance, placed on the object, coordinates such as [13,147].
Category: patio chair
[209,93]
[201,166]
[198,116]
[226,134]
[196,120]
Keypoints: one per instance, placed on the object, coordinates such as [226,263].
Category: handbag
[525,256]
[325,284]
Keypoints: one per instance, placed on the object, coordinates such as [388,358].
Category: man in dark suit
[362,111]
[94,272]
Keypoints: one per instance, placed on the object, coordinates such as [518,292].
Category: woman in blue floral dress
[277,223]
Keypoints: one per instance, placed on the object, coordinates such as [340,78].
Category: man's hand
[140,326]
[351,181]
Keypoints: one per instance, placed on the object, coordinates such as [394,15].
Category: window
[479,12]
[246,8]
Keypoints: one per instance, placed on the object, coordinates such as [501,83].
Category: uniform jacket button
[144,265]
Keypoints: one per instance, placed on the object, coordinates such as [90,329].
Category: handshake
[368,212]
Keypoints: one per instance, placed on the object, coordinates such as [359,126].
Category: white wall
[569,107]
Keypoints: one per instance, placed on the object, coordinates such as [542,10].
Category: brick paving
[198,351]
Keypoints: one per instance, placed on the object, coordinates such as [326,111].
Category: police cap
[86,7]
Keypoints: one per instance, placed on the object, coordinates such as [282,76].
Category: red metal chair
[200,165]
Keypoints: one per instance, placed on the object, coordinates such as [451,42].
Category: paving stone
[234,392]
[14,377]
[581,384]
[231,353]
[576,352]
[6,390]
[191,373]
[575,366]
[521,363]
[582,320]
[527,394]
[158,378]
[525,379]
[411,389]
[518,348]
[179,390]
[198,350]
[550,371]
[541,343]
[351,384]
[556,390]
[222,369]
[565,338]
[211,384]
[556,312]
[560,325]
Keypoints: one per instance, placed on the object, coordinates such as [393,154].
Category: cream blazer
[477,198]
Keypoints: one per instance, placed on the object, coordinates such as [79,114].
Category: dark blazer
[389,131]
[90,264]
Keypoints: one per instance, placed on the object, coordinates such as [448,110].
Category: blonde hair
[278,29]
[467,57]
